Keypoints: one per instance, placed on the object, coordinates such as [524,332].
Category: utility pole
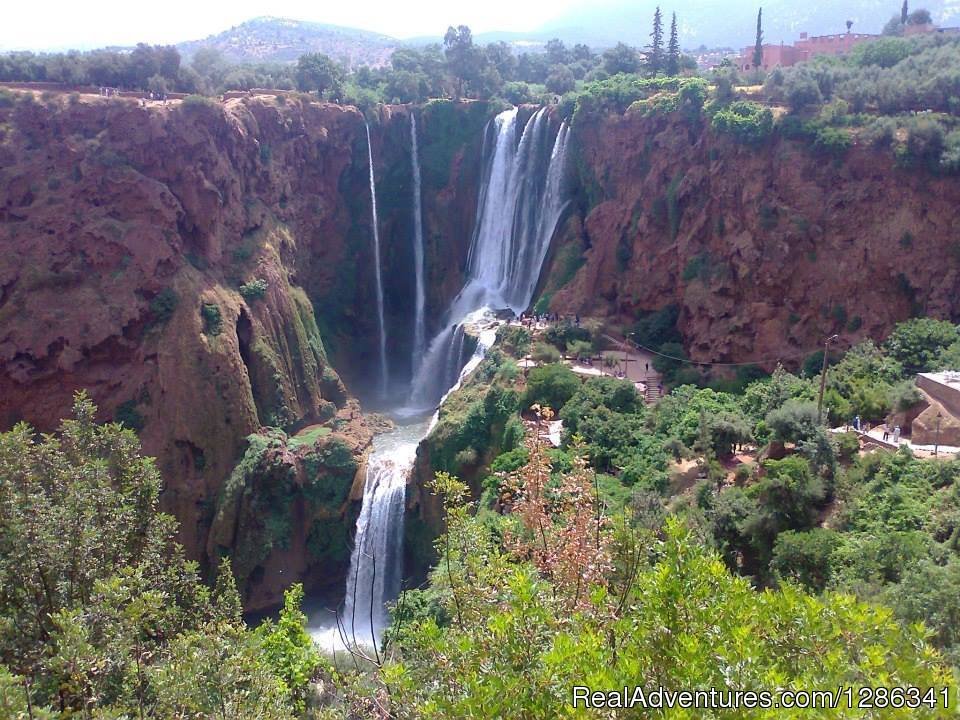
[936,447]
[823,374]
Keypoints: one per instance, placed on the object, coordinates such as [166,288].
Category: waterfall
[376,268]
[521,200]
[420,302]
[376,562]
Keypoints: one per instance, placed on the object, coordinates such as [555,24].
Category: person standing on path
[896,435]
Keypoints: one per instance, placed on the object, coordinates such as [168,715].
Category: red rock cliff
[765,250]
[128,233]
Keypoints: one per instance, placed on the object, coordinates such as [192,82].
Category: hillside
[270,39]
[716,24]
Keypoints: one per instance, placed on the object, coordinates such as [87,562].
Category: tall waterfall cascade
[420,298]
[522,198]
[381,325]
[521,201]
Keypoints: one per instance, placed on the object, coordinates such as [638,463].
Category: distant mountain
[270,39]
[714,23]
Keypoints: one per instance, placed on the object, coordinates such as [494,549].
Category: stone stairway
[652,393]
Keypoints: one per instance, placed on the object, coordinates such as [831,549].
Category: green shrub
[744,472]
[905,395]
[832,141]
[848,445]
[542,352]
[128,416]
[652,329]
[254,290]
[514,339]
[748,122]
[551,386]
[563,333]
[162,306]
[804,557]
[580,349]
[918,343]
[884,52]
[794,421]
[212,319]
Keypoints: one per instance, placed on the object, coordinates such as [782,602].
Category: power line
[789,356]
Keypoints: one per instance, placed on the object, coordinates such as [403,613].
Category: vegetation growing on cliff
[479,421]
[895,92]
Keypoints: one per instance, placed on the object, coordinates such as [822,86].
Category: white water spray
[377,274]
[420,300]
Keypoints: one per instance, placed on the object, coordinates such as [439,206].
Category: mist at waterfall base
[521,200]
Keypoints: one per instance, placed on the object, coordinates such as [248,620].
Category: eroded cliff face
[201,270]
[765,250]
[128,234]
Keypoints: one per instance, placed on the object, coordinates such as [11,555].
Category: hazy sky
[95,23]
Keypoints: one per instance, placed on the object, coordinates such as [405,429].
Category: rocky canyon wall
[203,270]
[765,249]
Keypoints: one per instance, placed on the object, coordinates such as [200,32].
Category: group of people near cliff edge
[860,426]
[543,318]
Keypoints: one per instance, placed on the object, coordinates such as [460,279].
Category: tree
[794,421]
[500,55]
[894,26]
[804,557]
[758,46]
[583,52]
[288,649]
[518,93]
[919,343]
[673,49]
[518,641]
[557,53]
[216,672]
[550,385]
[655,59]
[405,87]
[920,16]
[560,80]
[801,89]
[320,73]
[904,13]
[100,611]
[621,59]
[463,60]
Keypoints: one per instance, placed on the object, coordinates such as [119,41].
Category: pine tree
[904,13]
[655,61]
[673,49]
[758,48]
